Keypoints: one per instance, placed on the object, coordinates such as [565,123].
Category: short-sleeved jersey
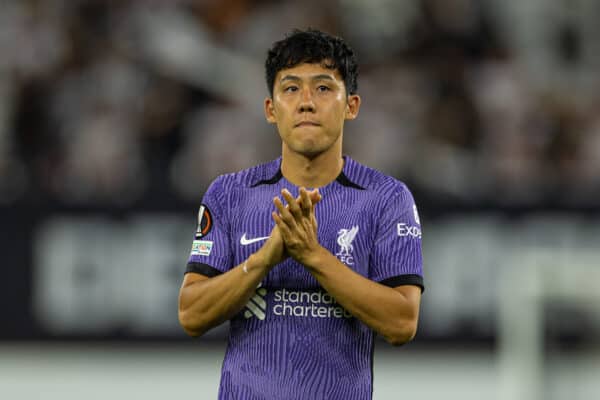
[293,340]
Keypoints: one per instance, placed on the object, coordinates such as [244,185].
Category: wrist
[259,260]
[315,258]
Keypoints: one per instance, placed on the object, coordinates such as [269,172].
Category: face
[309,106]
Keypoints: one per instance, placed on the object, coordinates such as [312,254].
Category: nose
[306,101]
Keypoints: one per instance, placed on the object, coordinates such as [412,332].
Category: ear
[270,111]
[352,106]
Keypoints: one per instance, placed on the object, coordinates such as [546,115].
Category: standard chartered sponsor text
[315,304]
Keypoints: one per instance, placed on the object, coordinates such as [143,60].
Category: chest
[346,228]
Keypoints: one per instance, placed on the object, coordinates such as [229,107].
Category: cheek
[283,113]
[337,115]
[341,102]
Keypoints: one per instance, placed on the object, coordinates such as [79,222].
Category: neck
[311,172]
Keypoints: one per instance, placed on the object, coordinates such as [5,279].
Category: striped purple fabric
[293,340]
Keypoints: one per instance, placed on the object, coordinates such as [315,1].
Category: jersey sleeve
[396,258]
[210,254]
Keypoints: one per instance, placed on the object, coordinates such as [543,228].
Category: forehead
[307,71]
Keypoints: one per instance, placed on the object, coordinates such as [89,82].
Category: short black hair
[312,46]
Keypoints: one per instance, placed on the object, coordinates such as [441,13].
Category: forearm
[204,304]
[391,312]
[383,309]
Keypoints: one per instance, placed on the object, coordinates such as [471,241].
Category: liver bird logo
[345,238]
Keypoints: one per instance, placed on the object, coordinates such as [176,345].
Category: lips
[307,123]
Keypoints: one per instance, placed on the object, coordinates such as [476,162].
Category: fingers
[305,202]
[315,196]
[297,208]
[283,227]
[284,213]
[292,204]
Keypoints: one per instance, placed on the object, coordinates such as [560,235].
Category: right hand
[273,251]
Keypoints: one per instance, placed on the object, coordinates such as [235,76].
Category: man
[306,276]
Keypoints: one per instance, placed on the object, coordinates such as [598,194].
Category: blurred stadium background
[115,115]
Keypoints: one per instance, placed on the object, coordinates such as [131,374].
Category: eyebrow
[296,78]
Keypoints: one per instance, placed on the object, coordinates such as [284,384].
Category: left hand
[298,224]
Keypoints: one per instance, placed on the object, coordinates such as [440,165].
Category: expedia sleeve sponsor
[397,247]
[406,230]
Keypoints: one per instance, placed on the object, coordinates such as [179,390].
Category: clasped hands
[295,231]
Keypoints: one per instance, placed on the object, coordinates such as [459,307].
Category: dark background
[116,115]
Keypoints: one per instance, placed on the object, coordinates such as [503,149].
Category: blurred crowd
[469,101]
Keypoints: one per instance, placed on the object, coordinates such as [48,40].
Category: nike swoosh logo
[245,241]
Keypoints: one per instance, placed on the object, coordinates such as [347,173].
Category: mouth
[307,123]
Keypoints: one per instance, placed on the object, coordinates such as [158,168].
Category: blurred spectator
[220,140]
[126,102]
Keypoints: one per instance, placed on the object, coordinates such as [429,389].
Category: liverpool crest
[345,239]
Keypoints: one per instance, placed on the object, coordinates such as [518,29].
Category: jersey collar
[342,178]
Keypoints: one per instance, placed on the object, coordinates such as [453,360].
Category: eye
[290,89]
[323,88]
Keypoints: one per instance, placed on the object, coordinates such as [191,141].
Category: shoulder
[228,190]
[246,178]
[374,180]
[390,196]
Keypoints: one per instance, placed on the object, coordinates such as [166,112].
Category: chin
[309,147]
[312,154]
[312,151]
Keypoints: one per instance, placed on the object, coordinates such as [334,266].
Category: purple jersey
[293,340]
